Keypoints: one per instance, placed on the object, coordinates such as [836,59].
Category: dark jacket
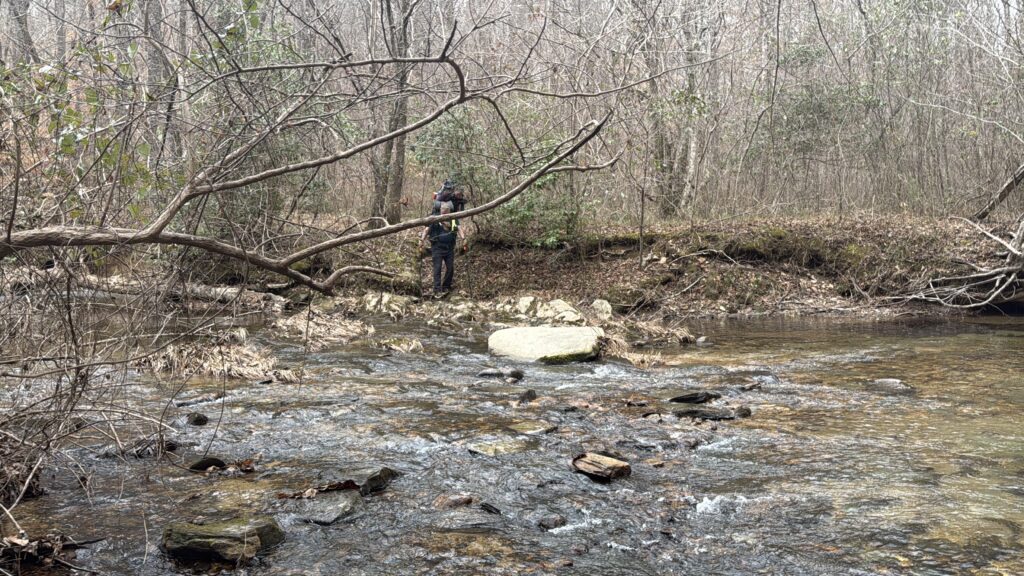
[443,235]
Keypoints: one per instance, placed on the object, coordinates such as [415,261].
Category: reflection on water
[835,473]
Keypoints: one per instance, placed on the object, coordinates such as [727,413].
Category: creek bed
[836,472]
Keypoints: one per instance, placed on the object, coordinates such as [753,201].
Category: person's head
[448,185]
[446,208]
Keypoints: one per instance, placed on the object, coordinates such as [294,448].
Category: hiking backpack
[448,193]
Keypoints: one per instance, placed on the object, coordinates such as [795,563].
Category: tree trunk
[389,178]
[1008,187]
[60,12]
[19,15]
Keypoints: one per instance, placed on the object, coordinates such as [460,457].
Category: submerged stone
[705,413]
[235,541]
[698,397]
[531,427]
[497,448]
[527,396]
[327,508]
[511,373]
[197,419]
[448,501]
[547,344]
[551,521]
[891,386]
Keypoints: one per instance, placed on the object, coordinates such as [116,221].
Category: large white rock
[548,344]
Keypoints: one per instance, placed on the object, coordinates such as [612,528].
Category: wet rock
[145,447]
[327,508]
[527,397]
[512,373]
[201,399]
[890,386]
[402,345]
[234,541]
[449,501]
[500,447]
[646,444]
[602,309]
[490,509]
[705,413]
[547,344]
[698,397]
[206,463]
[551,521]
[601,468]
[533,427]
[197,419]
[376,480]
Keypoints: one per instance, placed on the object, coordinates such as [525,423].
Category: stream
[836,472]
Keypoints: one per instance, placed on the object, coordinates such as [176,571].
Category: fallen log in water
[25,279]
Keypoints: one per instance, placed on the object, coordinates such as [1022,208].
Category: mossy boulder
[234,541]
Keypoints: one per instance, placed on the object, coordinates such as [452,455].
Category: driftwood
[25,279]
[986,285]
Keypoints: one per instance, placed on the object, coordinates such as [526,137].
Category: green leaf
[67,143]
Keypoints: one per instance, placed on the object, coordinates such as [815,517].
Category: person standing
[443,237]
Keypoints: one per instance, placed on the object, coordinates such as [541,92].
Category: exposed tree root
[986,285]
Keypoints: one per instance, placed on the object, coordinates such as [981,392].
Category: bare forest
[174,172]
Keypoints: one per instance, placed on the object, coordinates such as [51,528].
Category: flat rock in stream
[547,344]
[234,541]
[512,373]
[497,448]
[601,468]
[705,413]
[327,508]
[532,427]
[698,397]
[890,386]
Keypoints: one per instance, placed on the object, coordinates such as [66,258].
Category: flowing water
[834,473]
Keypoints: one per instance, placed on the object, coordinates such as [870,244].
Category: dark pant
[446,255]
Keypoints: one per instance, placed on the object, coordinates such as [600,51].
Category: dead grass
[320,329]
[226,355]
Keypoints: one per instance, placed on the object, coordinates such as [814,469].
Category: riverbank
[856,266]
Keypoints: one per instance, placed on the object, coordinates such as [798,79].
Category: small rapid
[873,448]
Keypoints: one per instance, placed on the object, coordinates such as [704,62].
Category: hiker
[443,237]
